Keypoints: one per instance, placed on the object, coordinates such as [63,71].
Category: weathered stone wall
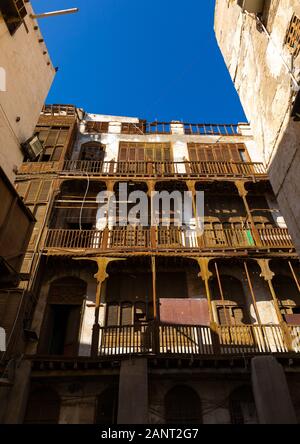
[256,62]
[29,74]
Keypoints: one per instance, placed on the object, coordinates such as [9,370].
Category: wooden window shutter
[112,315]
[132,154]
[123,153]
[192,153]
[33,191]
[62,138]
[226,153]
[51,139]
[235,155]
[126,313]
[209,154]
[140,154]
[44,191]
[21,188]
[167,153]
[57,152]
[40,212]
[149,154]
[159,155]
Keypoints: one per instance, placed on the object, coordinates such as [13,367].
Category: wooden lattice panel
[292,39]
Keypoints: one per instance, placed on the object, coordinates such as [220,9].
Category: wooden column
[155,300]
[105,240]
[252,293]
[191,186]
[229,324]
[151,188]
[268,275]
[205,274]
[240,185]
[101,275]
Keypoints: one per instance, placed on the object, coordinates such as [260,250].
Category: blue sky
[153,59]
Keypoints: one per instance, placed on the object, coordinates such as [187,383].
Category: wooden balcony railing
[196,340]
[147,168]
[272,237]
[164,238]
[165,169]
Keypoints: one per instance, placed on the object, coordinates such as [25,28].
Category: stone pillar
[18,396]
[271,392]
[133,392]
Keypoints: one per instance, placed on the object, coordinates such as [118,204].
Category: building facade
[259,40]
[152,324]
[26,74]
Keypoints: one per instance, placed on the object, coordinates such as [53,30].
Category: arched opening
[63,317]
[231,308]
[182,406]
[43,407]
[242,406]
[107,407]
[92,151]
[288,295]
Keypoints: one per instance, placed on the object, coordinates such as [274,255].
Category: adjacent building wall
[29,74]
[256,59]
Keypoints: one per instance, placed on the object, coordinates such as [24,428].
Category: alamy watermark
[2,79]
[137,208]
[2,340]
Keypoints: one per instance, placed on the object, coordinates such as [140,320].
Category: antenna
[54,13]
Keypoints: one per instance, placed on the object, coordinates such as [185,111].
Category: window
[96,127]
[242,406]
[107,407]
[35,194]
[125,313]
[92,151]
[133,128]
[139,152]
[288,295]
[292,39]
[62,321]
[13,12]
[231,309]
[53,141]
[229,152]
[182,406]
[43,407]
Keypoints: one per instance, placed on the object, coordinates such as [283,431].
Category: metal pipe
[54,13]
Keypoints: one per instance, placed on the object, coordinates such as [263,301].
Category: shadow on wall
[284,172]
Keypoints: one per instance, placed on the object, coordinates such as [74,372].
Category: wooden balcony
[180,340]
[129,239]
[148,169]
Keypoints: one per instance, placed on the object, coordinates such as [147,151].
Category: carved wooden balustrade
[165,238]
[148,168]
[197,340]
